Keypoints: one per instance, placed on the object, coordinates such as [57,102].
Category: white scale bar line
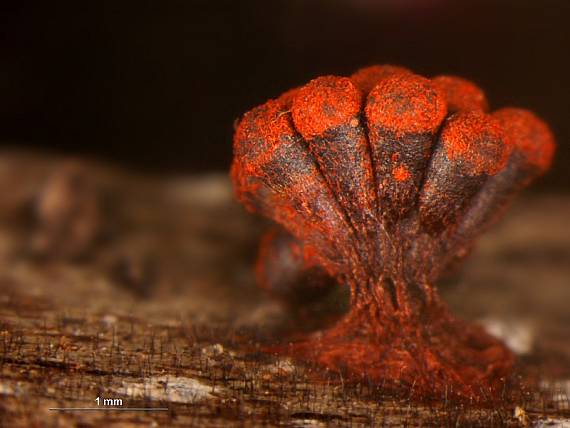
[120,409]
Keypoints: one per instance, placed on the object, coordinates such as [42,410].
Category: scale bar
[109,409]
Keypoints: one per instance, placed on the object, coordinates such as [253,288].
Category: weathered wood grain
[161,310]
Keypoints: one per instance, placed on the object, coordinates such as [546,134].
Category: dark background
[157,85]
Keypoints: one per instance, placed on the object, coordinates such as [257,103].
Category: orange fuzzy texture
[323,104]
[461,94]
[406,104]
[529,135]
[259,127]
[401,173]
[367,78]
[286,98]
[477,140]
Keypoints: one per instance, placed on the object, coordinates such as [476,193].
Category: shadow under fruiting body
[385,179]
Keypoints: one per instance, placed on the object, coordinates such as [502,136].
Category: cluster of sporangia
[383,180]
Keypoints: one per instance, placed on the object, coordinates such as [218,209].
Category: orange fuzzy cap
[529,136]
[461,94]
[406,104]
[261,130]
[477,141]
[366,78]
[324,104]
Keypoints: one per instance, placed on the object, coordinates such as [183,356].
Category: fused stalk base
[430,354]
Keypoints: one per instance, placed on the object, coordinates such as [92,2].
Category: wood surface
[141,288]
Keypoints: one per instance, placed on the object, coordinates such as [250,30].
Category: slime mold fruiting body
[384,180]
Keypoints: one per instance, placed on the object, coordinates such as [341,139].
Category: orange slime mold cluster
[381,181]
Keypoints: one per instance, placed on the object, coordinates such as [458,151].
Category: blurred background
[157,85]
